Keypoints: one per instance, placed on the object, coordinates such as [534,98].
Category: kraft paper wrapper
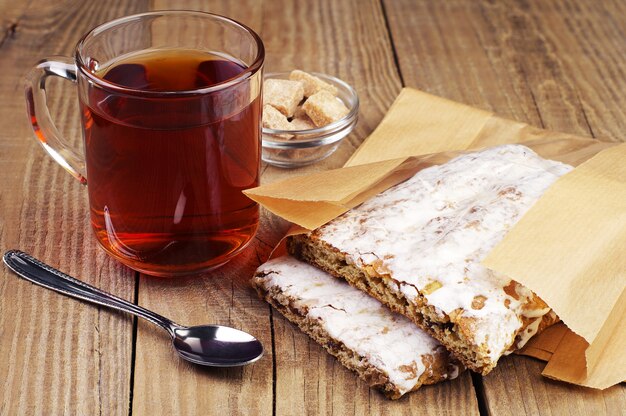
[570,248]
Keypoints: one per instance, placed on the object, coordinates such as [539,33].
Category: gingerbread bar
[385,349]
[418,246]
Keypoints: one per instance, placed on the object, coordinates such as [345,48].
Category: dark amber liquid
[166,173]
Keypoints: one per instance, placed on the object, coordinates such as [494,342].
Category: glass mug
[171,118]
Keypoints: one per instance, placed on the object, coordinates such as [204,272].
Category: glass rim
[246,74]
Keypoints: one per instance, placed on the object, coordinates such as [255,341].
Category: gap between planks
[396,60]
[273,360]
[133,353]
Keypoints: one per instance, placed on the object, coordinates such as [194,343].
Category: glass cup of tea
[171,117]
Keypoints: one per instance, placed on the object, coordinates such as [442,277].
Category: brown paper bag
[583,215]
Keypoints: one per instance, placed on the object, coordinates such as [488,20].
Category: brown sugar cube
[324,108]
[283,94]
[300,113]
[302,122]
[274,119]
[311,83]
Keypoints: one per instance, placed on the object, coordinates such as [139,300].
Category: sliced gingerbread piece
[386,349]
[418,247]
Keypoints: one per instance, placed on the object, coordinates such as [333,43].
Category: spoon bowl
[208,345]
[217,346]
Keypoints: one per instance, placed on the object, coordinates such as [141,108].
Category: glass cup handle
[46,132]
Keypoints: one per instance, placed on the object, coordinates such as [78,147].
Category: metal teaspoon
[209,345]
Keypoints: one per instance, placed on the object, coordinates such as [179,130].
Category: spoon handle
[41,274]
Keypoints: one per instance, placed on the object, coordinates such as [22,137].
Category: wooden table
[555,64]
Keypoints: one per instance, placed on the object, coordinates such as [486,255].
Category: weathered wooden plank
[350,40]
[57,355]
[524,60]
[453,50]
[165,384]
[309,381]
[556,65]
[347,39]
[574,57]
[516,387]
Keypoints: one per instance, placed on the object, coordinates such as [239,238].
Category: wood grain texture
[555,65]
[57,355]
[316,37]
[310,381]
[347,39]
[516,387]
[164,383]
[296,35]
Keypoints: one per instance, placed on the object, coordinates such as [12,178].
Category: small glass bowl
[295,148]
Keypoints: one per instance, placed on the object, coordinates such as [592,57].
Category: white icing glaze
[389,341]
[439,225]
